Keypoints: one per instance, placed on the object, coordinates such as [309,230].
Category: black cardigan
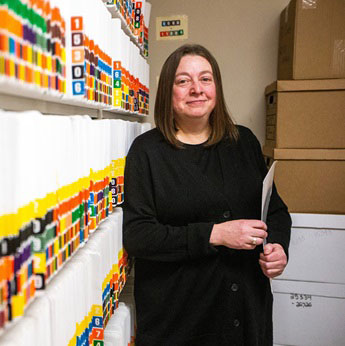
[187,291]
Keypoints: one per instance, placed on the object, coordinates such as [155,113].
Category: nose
[196,88]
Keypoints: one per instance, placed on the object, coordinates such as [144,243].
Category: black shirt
[207,160]
[187,291]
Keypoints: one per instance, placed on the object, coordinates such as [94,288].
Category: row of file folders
[63,176]
[81,304]
[75,51]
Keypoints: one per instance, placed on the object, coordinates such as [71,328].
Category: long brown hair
[220,119]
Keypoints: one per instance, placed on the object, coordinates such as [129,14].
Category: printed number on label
[77,23]
[4,246]
[37,243]
[77,39]
[77,72]
[78,88]
[77,55]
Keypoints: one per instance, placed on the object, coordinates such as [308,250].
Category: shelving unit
[14,99]
[17,95]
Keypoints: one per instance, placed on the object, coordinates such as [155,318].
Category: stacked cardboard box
[309,297]
[312,40]
[305,118]
[305,133]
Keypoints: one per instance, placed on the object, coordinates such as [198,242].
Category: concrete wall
[243,37]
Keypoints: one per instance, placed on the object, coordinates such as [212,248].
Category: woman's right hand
[239,234]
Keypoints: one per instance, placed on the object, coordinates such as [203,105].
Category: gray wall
[241,34]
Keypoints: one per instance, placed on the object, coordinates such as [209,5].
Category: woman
[192,217]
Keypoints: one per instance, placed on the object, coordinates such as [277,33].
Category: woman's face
[194,90]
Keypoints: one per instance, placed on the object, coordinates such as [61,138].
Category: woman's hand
[239,234]
[273,260]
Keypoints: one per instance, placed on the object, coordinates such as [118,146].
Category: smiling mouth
[196,102]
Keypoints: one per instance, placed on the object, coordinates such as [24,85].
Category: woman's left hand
[273,260]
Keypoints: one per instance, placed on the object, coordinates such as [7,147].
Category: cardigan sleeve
[143,235]
[278,218]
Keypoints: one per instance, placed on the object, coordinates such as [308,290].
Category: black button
[236,322]
[234,287]
[226,214]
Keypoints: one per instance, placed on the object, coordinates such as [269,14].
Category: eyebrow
[186,73]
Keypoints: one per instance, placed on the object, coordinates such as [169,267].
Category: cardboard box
[306,114]
[312,40]
[317,249]
[308,313]
[310,180]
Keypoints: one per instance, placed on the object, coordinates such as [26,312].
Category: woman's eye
[206,79]
[182,81]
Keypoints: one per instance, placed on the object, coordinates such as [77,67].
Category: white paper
[266,193]
[267,186]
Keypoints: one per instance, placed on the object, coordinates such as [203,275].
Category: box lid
[305,154]
[317,221]
[305,85]
[306,287]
